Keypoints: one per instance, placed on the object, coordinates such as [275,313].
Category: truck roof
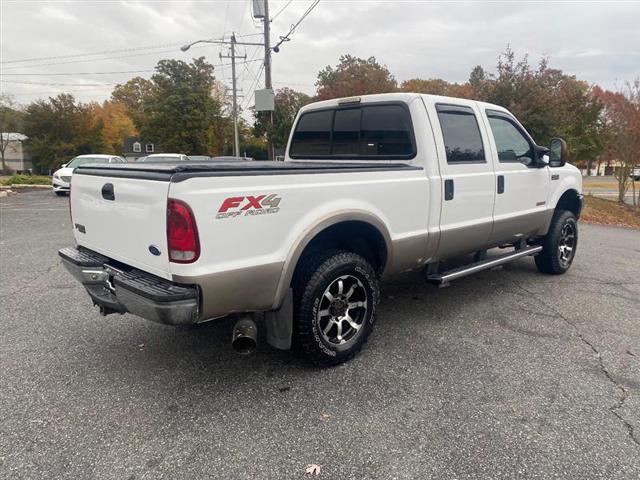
[406,97]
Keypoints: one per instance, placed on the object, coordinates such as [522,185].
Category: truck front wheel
[335,299]
[559,245]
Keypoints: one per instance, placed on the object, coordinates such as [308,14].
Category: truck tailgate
[123,219]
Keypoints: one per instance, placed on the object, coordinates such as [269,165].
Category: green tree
[354,76]
[179,111]
[287,104]
[548,102]
[60,128]
[477,78]
[134,95]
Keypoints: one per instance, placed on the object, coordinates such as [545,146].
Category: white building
[15,157]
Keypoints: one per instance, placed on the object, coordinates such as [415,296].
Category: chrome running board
[443,279]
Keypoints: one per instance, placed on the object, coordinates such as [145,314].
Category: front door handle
[448,189]
[500,183]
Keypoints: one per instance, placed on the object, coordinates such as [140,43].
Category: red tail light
[182,233]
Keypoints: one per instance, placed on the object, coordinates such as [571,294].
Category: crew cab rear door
[466,218]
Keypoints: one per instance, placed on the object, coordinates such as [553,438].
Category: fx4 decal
[249,205]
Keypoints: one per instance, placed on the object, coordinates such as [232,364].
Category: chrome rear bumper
[117,288]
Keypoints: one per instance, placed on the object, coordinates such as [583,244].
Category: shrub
[27,180]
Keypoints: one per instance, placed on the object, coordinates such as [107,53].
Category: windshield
[76,162]
[160,159]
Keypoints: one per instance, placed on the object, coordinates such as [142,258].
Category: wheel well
[353,236]
[570,200]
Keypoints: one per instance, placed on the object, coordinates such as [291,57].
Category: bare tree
[621,117]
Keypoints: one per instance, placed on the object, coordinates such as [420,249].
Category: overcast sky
[596,41]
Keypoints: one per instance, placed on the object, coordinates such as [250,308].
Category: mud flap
[279,324]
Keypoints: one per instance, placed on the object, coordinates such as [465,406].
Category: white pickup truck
[371,186]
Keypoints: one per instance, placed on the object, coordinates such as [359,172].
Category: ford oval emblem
[154,250]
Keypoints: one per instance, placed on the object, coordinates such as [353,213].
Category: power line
[45,92]
[281,10]
[249,35]
[73,73]
[91,54]
[286,38]
[106,73]
[253,85]
[13,67]
[59,84]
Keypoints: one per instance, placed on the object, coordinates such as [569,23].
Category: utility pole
[233,56]
[267,74]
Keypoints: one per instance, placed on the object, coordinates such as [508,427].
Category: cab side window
[511,143]
[313,134]
[461,134]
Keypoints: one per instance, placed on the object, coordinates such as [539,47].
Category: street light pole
[233,42]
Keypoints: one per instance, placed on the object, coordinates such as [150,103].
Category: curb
[22,187]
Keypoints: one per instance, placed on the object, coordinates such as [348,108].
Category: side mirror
[558,152]
[64,165]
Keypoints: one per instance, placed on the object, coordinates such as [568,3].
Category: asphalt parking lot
[506,374]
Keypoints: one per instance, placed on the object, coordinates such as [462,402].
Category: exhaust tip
[245,336]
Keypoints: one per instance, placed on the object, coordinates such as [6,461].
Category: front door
[466,218]
[521,185]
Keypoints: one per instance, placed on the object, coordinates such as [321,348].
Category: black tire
[555,259]
[61,194]
[333,272]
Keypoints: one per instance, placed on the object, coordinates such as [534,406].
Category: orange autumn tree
[116,125]
[354,76]
[438,86]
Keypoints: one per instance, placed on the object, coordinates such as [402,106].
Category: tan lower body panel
[521,226]
[242,290]
[409,253]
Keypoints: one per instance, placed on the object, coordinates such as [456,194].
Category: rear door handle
[500,183]
[448,189]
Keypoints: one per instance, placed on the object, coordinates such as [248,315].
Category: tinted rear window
[346,132]
[461,134]
[366,132]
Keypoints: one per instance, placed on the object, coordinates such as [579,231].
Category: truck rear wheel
[559,245]
[335,299]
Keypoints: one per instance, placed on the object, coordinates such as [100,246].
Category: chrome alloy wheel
[343,310]
[567,244]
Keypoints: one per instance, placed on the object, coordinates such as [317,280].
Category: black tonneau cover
[179,171]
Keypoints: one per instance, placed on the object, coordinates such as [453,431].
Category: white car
[371,187]
[164,158]
[61,181]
